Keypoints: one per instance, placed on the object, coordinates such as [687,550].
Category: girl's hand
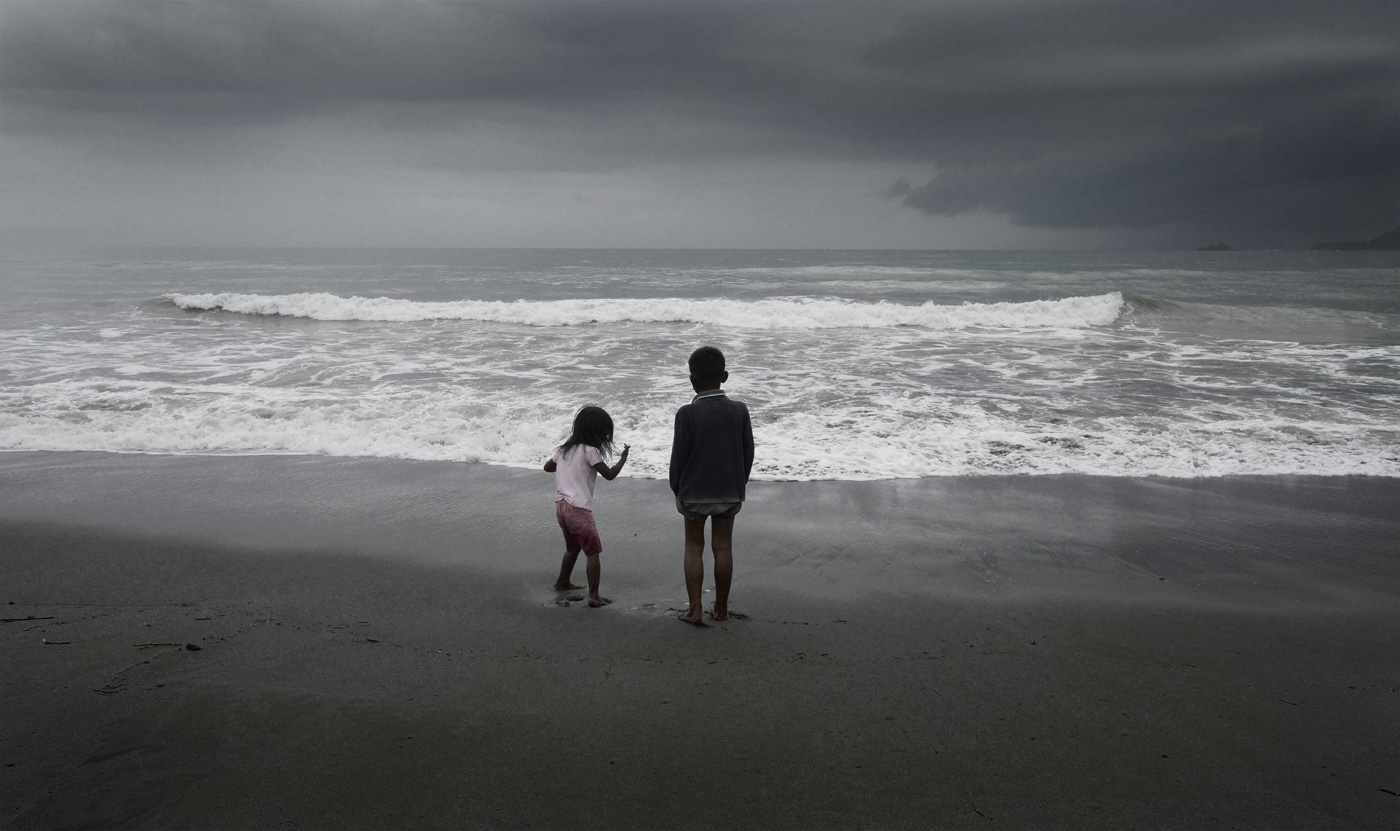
[610,473]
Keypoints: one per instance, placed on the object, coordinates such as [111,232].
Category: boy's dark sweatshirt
[712,453]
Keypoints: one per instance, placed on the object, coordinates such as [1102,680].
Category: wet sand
[379,648]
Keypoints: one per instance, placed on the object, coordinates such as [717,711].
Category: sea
[856,365]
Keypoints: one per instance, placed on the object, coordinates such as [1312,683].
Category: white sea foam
[897,401]
[874,437]
[1183,374]
[774,313]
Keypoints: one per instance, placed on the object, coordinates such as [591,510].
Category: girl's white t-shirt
[574,475]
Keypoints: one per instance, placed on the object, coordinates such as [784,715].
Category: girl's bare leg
[566,573]
[594,568]
[694,568]
[722,543]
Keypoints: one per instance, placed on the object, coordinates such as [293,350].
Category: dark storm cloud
[1270,121]
[1274,121]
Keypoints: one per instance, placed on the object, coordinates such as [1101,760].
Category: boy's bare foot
[721,612]
[596,601]
[563,587]
[692,617]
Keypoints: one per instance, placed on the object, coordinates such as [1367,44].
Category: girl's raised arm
[610,473]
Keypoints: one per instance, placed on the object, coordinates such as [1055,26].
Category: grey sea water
[856,364]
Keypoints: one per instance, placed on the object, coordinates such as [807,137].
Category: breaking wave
[775,313]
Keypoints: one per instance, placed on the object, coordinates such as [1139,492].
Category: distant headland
[1389,241]
[1215,246]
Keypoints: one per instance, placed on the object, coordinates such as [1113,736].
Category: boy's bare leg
[595,575]
[566,573]
[694,568]
[722,543]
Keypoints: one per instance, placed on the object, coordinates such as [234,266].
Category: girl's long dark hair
[593,427]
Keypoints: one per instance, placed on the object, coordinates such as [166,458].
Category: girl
[576,465]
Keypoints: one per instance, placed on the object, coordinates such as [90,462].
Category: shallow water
[1264,542]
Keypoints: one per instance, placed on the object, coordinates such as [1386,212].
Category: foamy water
[856,365]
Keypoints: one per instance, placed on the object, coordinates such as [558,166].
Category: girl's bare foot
[721,611]
[563,587]
[596,601]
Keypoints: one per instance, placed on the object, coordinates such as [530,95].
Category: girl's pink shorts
[580,531]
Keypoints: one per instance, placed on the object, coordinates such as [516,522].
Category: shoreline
[1241,541]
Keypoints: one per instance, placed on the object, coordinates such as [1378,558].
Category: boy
[711,457]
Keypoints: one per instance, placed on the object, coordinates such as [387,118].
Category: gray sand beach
[311,643]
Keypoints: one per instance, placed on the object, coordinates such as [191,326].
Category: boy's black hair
[593,427]
[707,365]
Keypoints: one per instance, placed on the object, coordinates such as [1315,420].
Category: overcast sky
[939,124]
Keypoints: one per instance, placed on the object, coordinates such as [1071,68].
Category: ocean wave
[775,313]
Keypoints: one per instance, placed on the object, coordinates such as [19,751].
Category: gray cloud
[1266,122]
[1274,122]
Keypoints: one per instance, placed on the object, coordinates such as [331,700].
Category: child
[576,465]
[711,457]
